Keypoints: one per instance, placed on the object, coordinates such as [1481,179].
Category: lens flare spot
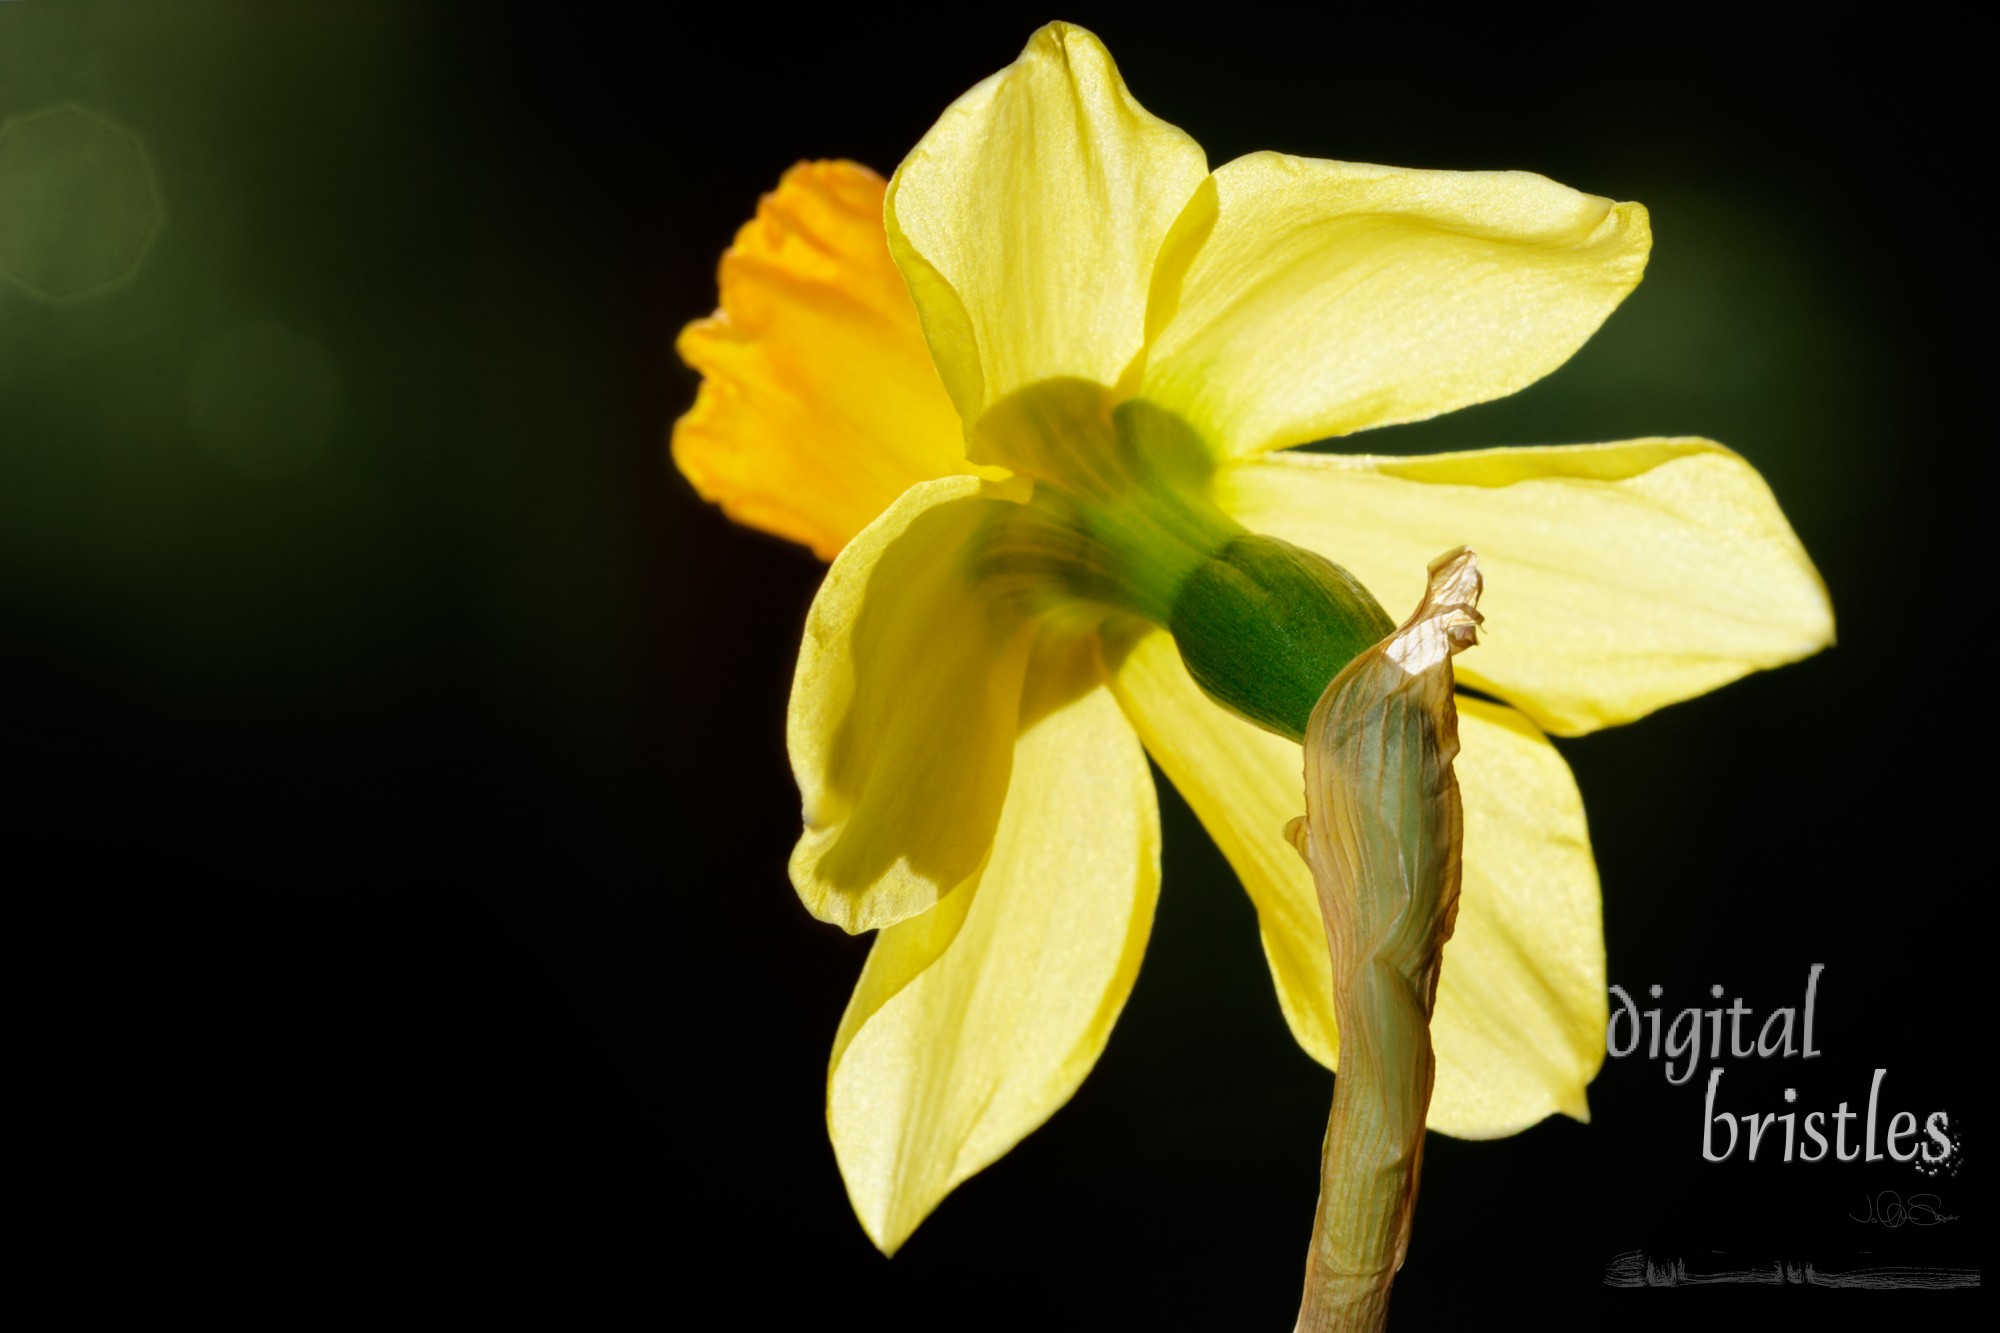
[79,208]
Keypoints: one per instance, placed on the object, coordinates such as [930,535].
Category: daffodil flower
[1021,396]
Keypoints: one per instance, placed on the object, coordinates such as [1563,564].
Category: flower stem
[1382,833]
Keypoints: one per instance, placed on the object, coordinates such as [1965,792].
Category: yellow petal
[1521,1007]
[1244,784]
[818,403]
[1317,298]
[1619,577]
[1027,221]
[903,711]
[973,1022]
[1519,1027]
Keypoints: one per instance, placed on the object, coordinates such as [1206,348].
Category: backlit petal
[1303,299]
[1027,221]
[903,711]
[1244,783]
[818,403]
[1521,1007]
[974,1022]
[1519,1027]
[1619,577]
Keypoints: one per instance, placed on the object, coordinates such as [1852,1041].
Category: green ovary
[1121,519]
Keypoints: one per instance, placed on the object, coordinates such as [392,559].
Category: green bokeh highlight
[344,423]
[77,206]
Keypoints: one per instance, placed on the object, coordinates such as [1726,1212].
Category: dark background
[394,742]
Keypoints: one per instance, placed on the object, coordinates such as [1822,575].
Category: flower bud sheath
[1383,835]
